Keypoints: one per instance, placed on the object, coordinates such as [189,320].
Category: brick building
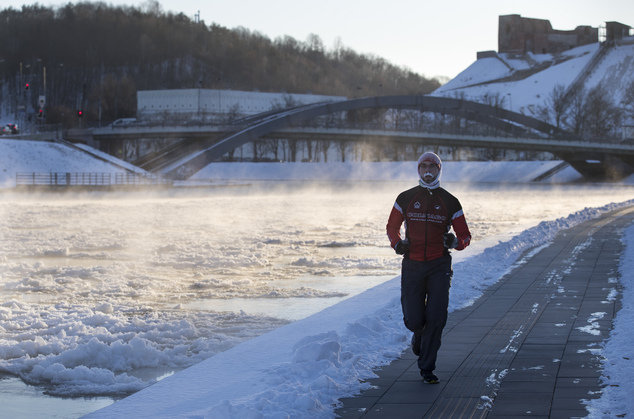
[616,30]
[519,35]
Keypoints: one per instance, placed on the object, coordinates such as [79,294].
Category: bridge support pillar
[600,167]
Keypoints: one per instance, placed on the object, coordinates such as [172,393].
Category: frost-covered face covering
[429,168]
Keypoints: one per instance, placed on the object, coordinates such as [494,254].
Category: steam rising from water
[102,294]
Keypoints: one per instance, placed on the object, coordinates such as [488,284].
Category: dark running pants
[425,299]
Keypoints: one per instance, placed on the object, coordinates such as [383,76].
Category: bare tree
[577,111]
[555,106]
[342,145]
[324,146]
[272,146]
[628,100]
[256,153]
[292,150]
[602,118]
[309,148]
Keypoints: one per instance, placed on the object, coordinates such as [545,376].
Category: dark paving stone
[580,371]
[577,393]
[563,403]
[563,382]
[527,404]
[401,411]
[456,407]
[528,348]
[395,369]
[536,376]
[523,387]
[510,411]
[568,413]
[412,392]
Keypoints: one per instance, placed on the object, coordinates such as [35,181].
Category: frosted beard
[431,185]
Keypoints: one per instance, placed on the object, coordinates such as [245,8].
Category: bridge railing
[411,126]
[457,127]
[96,179]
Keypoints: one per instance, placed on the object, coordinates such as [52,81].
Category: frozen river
[102,294]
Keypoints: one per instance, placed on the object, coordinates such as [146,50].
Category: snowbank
[618,364]
[45,157]
[498,171]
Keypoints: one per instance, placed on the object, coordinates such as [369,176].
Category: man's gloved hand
[402,247]
[450,241]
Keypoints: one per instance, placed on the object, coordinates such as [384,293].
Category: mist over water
[102,294]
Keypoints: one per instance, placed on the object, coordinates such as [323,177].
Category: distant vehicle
[123,121]
[9,129]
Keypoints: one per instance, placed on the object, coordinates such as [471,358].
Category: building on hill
[520,35]
[217,105]
[615,31]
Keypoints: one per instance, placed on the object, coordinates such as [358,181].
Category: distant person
[428,212]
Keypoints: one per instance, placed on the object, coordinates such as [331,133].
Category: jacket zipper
[427,206]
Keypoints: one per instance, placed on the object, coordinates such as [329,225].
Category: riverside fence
[87,179]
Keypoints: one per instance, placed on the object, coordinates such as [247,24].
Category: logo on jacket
[417,205]
[436,207]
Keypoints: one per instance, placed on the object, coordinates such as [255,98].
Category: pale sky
[432,38]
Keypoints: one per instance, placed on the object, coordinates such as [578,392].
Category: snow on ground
[482,70]
[488,69]
[303,368]
[521,95]
[107,157]
[618,359]
[498,172]
[615,72]
[44,157]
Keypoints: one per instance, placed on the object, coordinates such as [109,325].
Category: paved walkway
[525,348]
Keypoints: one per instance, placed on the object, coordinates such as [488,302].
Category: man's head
[429,167]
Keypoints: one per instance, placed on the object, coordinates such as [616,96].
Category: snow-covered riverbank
[105,293]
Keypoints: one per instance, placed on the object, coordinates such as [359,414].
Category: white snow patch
[617,359]
[593,324]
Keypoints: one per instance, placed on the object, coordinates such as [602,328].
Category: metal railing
[87,179]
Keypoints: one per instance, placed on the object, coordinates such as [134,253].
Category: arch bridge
[594,160]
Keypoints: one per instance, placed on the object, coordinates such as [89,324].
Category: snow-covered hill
[524,83]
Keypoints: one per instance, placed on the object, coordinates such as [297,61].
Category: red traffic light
[80,113]
[40,113]
[26,86]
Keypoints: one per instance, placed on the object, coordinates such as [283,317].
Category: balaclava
[432,158]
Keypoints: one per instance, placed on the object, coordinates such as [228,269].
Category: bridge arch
[504,119]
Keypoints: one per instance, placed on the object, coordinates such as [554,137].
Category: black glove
[450,241]
[402,247]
